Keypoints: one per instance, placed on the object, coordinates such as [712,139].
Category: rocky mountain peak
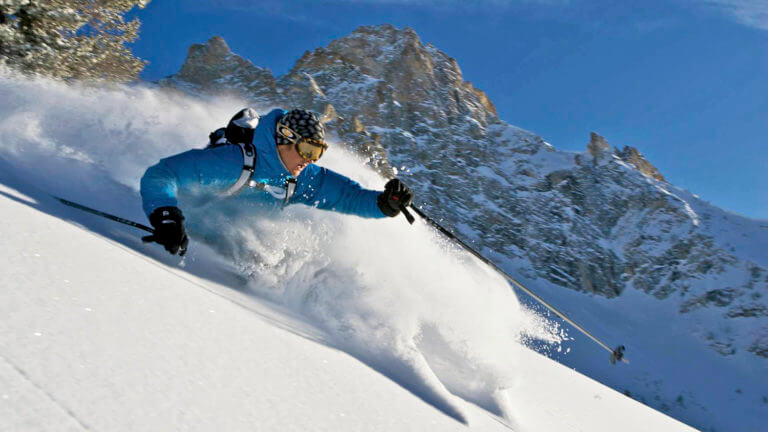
[597,145]
[633,157]
[600,149]
[369,48]
[202,59]
[212,67]
[216,45]
[408,71]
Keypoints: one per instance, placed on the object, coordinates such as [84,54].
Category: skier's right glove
[169,230]
[396,195]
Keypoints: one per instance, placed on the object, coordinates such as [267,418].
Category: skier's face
[292,160]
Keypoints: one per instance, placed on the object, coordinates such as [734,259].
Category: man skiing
[269,160]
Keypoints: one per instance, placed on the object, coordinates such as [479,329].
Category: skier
[268,159]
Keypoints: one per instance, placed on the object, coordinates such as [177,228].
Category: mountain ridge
[600,221]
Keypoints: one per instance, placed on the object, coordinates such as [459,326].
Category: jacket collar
[264,140]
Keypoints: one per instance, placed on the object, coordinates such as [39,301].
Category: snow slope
[291,323]
[97,335]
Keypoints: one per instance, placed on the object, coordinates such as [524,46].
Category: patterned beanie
[303,122]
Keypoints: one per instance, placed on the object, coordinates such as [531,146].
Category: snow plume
[434,320]
[68,134]
[398,297]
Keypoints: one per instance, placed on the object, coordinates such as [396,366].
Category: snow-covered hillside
[290,323]
[102,335]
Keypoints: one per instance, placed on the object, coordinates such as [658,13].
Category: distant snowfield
[306,320]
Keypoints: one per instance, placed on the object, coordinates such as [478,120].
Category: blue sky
[684,81]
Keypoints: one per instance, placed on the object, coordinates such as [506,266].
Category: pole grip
[407,214]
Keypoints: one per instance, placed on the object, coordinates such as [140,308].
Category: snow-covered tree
[70,39]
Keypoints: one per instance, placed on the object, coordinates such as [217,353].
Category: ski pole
[616,354]
[105,215]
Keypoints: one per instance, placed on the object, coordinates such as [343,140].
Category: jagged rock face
[601,221]
[212,67]
[400,72]
[388,88]
[599,148]
[632,156]
[597,145]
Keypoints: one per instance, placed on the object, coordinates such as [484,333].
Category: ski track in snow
[395,296]
[46,408]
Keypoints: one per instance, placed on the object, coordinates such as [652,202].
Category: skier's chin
[298,169]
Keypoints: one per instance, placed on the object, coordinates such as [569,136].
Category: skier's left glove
[169,230]
[396,195]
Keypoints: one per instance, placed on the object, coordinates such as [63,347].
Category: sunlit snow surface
[98,335]
[397,297]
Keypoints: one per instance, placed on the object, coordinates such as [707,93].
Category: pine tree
[70,39]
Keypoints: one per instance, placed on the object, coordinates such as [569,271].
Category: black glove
[169,230]
[395,195]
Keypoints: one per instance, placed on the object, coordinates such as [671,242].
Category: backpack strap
[249,162]
[240,132]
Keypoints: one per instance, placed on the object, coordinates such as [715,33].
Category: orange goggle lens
[309,148]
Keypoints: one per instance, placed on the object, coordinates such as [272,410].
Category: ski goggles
[307,148]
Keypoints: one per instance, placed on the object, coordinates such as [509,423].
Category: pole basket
[618,355]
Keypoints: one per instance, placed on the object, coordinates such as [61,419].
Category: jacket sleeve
[206,171]
[329,190]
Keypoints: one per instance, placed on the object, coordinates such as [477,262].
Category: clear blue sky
[684,81]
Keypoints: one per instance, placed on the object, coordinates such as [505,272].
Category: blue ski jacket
[196,177]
